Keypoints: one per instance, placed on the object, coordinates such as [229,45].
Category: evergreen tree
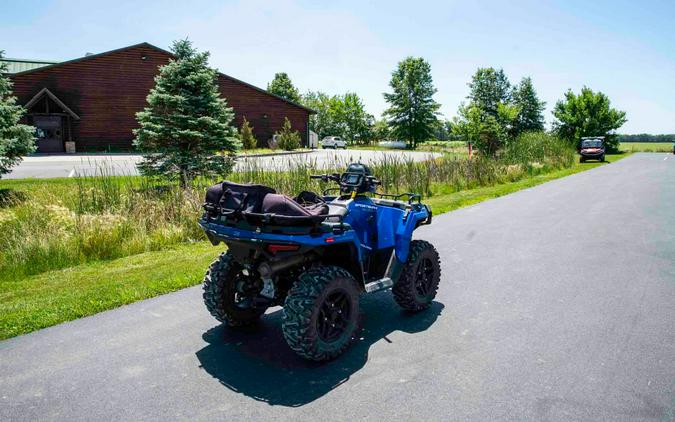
[531,109]
[248,141]
[186,129]
[412,112]
[587,114]
[16,140]
[489,88]
[282,86]
[288,139]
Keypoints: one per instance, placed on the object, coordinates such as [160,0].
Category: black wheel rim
[242,302]
[424,279]
[334,316]
[245,290]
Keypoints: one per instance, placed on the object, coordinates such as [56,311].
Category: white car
[333,142]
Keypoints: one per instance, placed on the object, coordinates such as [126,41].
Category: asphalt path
[51,166]
[557,303]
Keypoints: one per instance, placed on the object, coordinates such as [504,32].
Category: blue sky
[625,49]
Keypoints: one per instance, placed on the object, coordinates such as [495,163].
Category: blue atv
[314,255]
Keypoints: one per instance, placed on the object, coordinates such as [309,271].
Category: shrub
[532,149]
[248,141]
[288,139]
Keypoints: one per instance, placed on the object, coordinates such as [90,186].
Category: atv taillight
[282,248]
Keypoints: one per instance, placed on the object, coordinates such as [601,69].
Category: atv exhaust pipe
[268,269]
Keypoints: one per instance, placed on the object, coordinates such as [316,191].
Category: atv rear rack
[214,212]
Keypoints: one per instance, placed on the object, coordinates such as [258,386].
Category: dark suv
[592,148]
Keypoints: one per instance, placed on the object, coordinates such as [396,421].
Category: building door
[49,133]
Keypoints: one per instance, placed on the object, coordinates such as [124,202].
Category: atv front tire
[321,313]
[220,294]
[417,286]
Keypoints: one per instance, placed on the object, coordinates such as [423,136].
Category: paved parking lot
[49,166]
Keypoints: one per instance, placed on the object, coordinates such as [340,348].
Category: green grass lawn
[646,146]
[52,297]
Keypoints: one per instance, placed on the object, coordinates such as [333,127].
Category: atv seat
[336,210]
[282,205]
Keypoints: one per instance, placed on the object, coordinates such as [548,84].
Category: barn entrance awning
[46,94]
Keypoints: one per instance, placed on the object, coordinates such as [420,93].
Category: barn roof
[46,66]
[21,65]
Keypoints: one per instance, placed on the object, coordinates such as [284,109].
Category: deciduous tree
[412,112]
[381,130]
[356,120]
[339,115]
[324,122]
[488,133]
[587,114]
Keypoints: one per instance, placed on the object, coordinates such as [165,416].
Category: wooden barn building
[89,104]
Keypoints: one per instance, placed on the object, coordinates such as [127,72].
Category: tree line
[187,129]
[646,137]
[495,113]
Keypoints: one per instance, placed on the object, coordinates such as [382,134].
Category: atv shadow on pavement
[258,363]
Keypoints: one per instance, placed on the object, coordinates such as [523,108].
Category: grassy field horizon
[646,146]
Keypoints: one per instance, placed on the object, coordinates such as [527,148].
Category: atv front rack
[412,197]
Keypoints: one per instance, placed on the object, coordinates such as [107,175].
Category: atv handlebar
[326,177]
[337,177]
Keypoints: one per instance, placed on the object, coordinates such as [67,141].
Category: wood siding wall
[107,90]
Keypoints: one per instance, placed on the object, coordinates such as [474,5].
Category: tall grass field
[58,223]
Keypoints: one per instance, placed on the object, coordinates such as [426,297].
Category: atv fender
[417,216]
[345,255]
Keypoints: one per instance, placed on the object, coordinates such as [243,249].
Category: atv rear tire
[220,294]
[417,286]
[321,313]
